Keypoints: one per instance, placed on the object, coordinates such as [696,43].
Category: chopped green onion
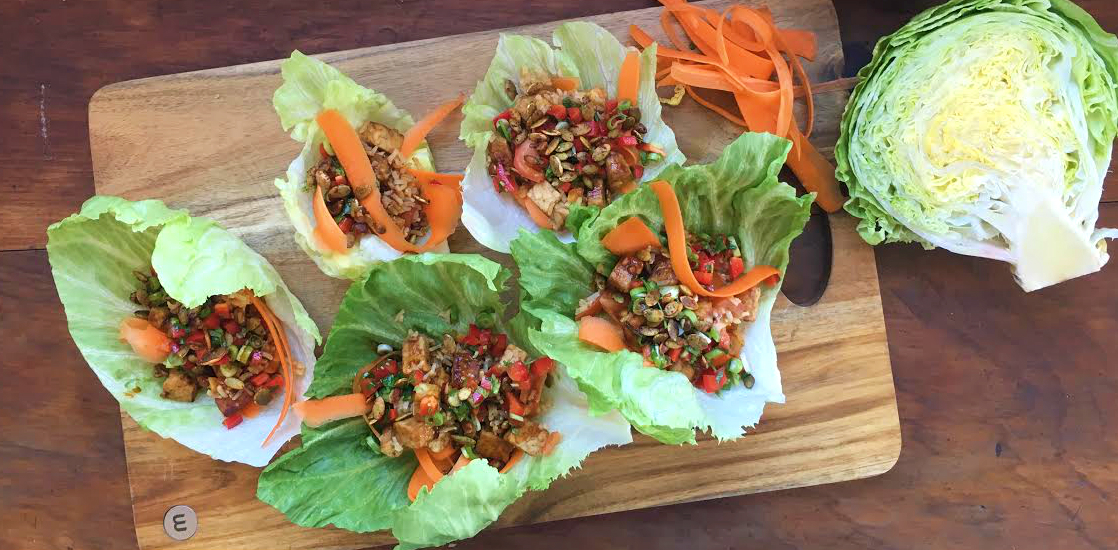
[244,354]
[469,452]
[437,419]
[714,334]
[690,316]
[205,312]
[624,105]
[694,352]
[568,102]
[217,338]
[549,174]
[691,256]
[651,285]
[657,357]
[516,417]
[644,158]
[671,291]
[712,354]
[638,292]
[654,157]
[504,130]
[736,365]
[734,378]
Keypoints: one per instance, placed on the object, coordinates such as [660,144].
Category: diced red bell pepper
[674,354]
[389,367]
[347,225]
[225,359]
[231,326]
[611,105]
[223,310]
[574,114]
[514,404]
[196,337]
[211,322]
[177,331]
[340,180]
[542,366]
[558,111]
[628,141]
[704,277]
[500,344]
[392,414]
[518,372]
[507,114]
[710,383]
[260,379]
[595,129]
[231,422]
[322,150]
[566,186]
[737,267]
[638,171]
[275,382]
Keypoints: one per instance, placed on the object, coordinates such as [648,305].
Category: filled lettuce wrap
[661,307]
[557,133]
[428,414]
[193,332]
[363,189]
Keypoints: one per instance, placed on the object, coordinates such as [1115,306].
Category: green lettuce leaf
[434,294]
[93,254]
[310,86]
[739,195]
[582,50]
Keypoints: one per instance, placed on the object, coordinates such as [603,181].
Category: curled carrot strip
[326,230]
[713,107]
[418,481]
[677,247]
[452,180]
[276,330]
[443,209]
[629,78]
[418,132]
[516,456]
[429,468]
[640,37]
[669,30]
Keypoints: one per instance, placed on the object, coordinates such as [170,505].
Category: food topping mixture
[223,347]
[400,192]
[669,324]
[477,394]
[558,146]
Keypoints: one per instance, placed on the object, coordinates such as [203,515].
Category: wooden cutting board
[210,141]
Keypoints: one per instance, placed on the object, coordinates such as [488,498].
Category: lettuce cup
[363,190]
[661,307]
[429,414]
[559,133]
[193,332]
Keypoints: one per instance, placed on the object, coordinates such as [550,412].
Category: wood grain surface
[1007,400]
[209,141]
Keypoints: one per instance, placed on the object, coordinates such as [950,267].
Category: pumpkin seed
[520,138]
[538,123]
[537,137]
[689,302]
[565,146]
[674,331]
[362,192]
[550,133]
[234,383]
[568,177]
[566,165]
[590,169]
[263,396]
[581,129]
[567,135]
[141,313]
[338,192]
[601,152]
[698,340]
[654,316]
[377,410]
[140,276]
[554,143]
[660,338]
[582,156]
[748,380]
[562,125]
[557,165]
[648,331]
[673,308]
[614,133]
[510,89]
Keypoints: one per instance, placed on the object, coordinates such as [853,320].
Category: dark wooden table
[1008,402]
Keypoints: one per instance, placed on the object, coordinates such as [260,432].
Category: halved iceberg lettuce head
[582,50]
[339,476]
[738,195]
[93,255]
[985,127]
[310,86]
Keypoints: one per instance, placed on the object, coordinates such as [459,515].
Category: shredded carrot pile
[284,351]
[739,51]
